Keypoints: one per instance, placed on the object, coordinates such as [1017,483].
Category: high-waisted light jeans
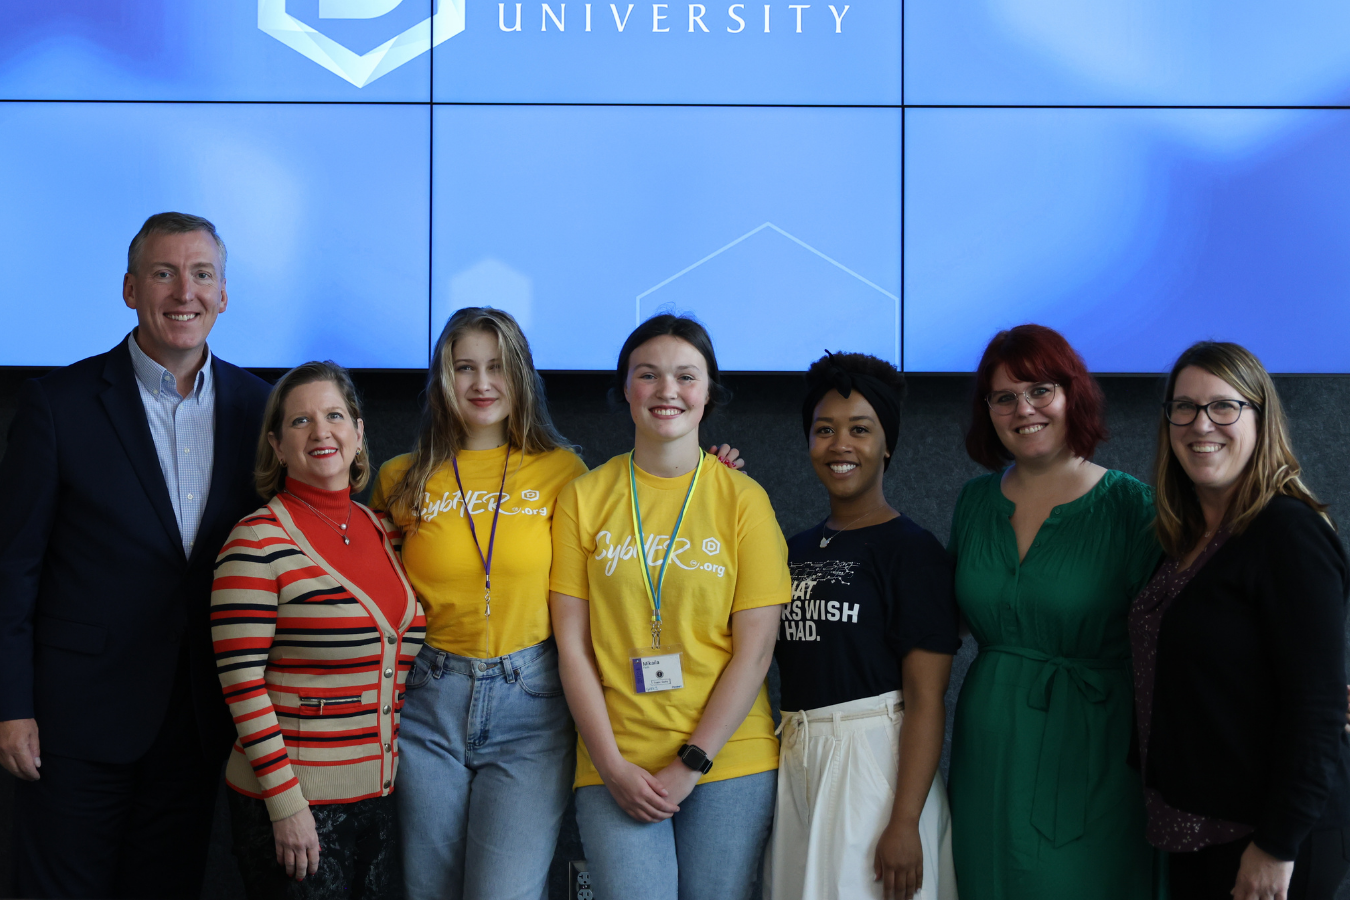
[710,850]
[487,754]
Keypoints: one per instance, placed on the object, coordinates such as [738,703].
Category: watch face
[694,758]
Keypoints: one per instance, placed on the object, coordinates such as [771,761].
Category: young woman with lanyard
[486,737]
[668,576]
[861,810]
[488,745]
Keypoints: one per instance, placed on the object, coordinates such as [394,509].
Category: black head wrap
[881,395]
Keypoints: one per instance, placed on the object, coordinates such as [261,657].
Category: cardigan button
[387,784]
[388,673]
[386,748]
[390,638]
[386,709]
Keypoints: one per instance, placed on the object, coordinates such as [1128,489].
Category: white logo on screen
[361,68]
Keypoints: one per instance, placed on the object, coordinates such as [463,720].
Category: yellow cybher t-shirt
[729,555]
[444,566]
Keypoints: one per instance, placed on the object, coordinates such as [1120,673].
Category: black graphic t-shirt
[858,607]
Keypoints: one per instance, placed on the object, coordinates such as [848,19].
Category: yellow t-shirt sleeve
[385,481]
[568,574]
[761,557]
[577,466]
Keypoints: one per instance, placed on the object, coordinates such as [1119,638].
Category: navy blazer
[97,600]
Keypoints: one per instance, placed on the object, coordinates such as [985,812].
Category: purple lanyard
[492,539]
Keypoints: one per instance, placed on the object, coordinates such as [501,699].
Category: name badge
[657,670]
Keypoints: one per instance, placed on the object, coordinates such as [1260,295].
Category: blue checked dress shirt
[184,432]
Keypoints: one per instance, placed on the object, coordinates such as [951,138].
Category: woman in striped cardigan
[315,627]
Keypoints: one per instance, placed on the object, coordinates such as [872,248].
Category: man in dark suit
[123,476]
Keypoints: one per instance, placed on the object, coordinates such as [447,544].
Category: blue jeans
[712,848]
[487,754]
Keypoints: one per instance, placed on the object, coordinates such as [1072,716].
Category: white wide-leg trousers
[836,786]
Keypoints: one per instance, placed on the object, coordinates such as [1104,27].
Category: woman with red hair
[1050,549]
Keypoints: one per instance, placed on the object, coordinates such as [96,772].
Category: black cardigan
[1250,697]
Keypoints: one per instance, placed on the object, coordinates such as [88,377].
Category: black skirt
[359,855]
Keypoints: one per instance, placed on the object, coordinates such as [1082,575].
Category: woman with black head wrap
[865,649]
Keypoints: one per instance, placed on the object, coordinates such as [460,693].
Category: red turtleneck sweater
[363,563]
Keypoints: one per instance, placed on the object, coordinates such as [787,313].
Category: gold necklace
[331,523]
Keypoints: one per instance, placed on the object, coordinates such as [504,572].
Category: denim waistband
[507,665]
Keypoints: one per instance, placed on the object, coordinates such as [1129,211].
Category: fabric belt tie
[1063,691]
[803,721]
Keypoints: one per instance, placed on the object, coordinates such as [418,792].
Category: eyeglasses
[1004,403]
[1220,412]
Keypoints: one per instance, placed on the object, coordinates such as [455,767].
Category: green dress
[1044,804]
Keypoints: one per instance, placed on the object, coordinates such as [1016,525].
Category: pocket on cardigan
[330,706]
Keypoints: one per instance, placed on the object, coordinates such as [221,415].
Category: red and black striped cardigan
[313,672]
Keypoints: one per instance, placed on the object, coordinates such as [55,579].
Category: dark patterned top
[859,606]
[1168,829]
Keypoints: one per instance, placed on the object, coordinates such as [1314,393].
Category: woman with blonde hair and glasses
[488,744]
[1239,648]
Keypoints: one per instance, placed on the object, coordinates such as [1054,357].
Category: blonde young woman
[1239,648]
[488,744]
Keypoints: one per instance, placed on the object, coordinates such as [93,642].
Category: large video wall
[1137,173]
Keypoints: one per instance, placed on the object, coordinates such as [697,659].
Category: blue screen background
[580,215]
[898,178]
[323,210]
[1135,232]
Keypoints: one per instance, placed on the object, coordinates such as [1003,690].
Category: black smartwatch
[694,758]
